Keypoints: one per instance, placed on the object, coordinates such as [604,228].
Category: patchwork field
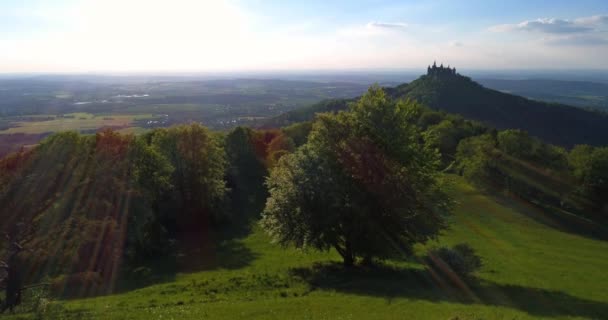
[531,271]
[72,121]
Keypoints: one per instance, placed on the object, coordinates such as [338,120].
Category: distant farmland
[73,121]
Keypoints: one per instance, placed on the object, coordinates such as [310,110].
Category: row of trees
[535,171]
[99,206]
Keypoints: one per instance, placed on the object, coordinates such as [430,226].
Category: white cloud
[577,40]
[555,25]
[584,32]
[455,44]
[373,29]
[598,21]
[543,26]
[387,25]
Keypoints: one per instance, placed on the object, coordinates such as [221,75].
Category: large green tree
[363,184]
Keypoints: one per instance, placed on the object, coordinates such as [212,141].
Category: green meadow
[532,269]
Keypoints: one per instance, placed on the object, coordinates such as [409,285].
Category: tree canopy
[363,184]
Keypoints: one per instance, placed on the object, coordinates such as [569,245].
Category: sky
[278,35]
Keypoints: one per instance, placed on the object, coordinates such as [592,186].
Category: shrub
[78,284]
[460,259]
[141,276]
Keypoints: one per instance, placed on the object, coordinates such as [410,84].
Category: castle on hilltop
[440,71]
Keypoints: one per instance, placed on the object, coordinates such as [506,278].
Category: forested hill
[307,113]
[451,92]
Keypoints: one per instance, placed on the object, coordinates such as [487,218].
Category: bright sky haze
[205,35]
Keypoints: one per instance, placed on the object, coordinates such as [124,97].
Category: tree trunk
[348,256]
[13,285]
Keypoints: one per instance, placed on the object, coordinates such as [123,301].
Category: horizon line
[422,70]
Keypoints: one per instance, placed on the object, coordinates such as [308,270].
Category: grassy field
[531,271]
[73,121]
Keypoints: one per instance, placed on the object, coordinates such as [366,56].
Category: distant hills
[577,93]
[444,89]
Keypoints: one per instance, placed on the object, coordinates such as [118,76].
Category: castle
[439,71]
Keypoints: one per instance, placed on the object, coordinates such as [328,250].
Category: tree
[13,278]
[579,160]
[476,158]
[246,171]
[13,267]
[148,237]
[443,136]
[590,167]
[298,132]
[519,144]
[277,148]
[596,183]
[363,184]
[199,164]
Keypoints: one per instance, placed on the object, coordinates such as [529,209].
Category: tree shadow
[391,283]
[219,248]
[553,217]
[222,254]
[223,248]
[198,256]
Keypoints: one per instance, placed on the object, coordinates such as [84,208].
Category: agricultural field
[80,121]
[532,269]
[33,107]
[217,103]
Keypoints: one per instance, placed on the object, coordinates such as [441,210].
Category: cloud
[599,20]
[373,29]
[387,25]
[556,25]
[456,44]
[580,32]
[577,40]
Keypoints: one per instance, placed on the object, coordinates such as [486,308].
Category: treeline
[524,166]
[515,162]
[94,209]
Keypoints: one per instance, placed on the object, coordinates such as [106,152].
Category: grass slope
[531,271]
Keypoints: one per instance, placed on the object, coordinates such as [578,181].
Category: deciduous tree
[363,184]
